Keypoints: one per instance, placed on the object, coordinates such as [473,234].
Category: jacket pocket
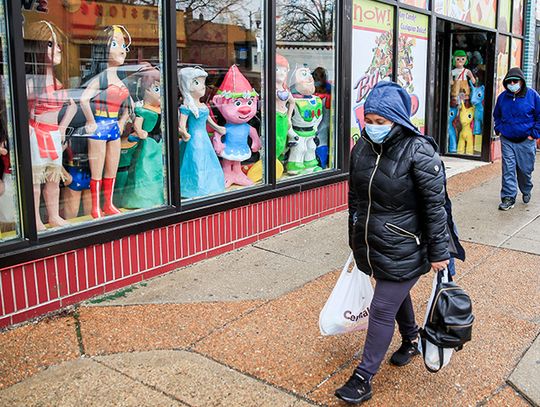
[402,232]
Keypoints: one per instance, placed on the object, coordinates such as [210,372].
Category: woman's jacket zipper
[404,233]
[369,199]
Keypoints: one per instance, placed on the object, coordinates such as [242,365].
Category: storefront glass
[9,219]
[479,12]
[503,55]
[220,78]
[93,74]
[517,18]
[305,87]
[412,62]
[515,56]
[505,13]
[372,55]
[416,3]
[467,91]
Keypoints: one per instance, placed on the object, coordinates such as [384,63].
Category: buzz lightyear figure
[305,120]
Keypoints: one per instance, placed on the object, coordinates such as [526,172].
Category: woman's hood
[391,101]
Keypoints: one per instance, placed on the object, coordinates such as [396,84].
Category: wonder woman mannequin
[112,104]
[46,98]
[200,171]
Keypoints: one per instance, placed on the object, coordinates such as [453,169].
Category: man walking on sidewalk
[517,121]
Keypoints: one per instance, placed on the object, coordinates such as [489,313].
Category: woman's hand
[439,265]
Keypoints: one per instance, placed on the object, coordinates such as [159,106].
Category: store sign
[106,10]
[372,54]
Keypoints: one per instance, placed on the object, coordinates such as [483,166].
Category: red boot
[95,190]
[108,189]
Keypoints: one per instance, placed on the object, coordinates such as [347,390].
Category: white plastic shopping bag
[432,353]
[347,308]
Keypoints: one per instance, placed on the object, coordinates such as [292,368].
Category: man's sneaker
[405,353]
[526,198]
[356,390]
[507,203]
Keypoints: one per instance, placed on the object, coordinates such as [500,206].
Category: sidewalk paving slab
[107,330]
[526,375]
[263,271]
[83,382]
[30,348]
[198,381]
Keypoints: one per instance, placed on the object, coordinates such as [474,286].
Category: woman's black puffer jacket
[397,220]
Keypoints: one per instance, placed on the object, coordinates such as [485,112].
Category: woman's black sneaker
[526,198]
[405,353]
[356,390]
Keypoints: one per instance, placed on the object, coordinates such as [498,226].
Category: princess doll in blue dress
[200,171]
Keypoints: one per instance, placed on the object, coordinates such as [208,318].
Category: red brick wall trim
[45,285]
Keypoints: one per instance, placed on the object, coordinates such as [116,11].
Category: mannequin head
[151,85]
[282,69]
[43,51]
[192,83]
[459,59]
[302,82]
[236,99]
[109,49]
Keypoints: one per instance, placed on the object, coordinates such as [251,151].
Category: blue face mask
[514,87]
[378,133]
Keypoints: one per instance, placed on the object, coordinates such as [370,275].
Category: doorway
[464,81]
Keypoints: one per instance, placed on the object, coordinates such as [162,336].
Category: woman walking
[397,226]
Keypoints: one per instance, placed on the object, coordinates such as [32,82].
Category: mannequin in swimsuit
[46,98]
[112,103]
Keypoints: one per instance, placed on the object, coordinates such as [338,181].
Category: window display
[505,15]
[372,31]
[517,17]
[412,62]
[220,117]
[503,55]
[416,3]
[479,12]
[467,90]
[94,95]
[9,219]
[515,56]
[305,87]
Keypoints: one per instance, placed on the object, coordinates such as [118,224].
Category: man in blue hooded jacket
[517,121]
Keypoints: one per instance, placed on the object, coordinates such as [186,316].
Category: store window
[412,62]
[9,220]
[517,17]
[416,3]
[372,55]
[93,76]
[505,13]
[305,86]
[515,56]
[220,78]
[503,55]
[479,12]
[467,91]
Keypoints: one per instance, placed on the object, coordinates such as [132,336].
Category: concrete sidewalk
[241,329]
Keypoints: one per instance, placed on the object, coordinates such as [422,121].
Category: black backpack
[450,319]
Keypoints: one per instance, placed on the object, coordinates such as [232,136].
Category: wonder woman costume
[107,113]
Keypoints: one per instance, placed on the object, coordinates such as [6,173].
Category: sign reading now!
[370,14]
